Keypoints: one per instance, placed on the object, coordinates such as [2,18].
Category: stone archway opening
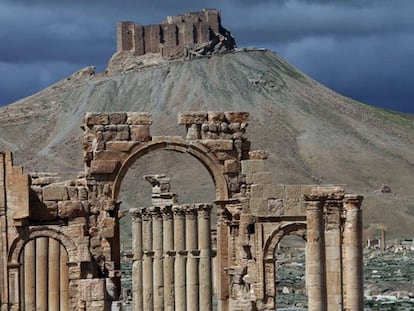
[44,275]
[189,184]
[290,271]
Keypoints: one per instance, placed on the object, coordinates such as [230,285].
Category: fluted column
[30,276]
[54,274]
[180,259]
[315,257]
[64,279]
[42,247]
[191,241]
[147,290]
[137,259]
[157,234]
[352,254]
[204,244]
[333,252]
[168,247]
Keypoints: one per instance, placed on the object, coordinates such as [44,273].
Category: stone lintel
[139,118]
[104,166]
[192,117]
[218,144]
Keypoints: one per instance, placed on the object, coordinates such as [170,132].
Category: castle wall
[173,37]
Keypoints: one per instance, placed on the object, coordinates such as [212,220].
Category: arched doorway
[44,275]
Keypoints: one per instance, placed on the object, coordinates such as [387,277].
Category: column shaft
[30,276]
[315,258]
[353,257]
[333,255]
[157,233]
[42,247]
[191,241]
[137,260]
[180,259]
[204,244]
[147,290]
[54,274]
[64,279]
[168,247]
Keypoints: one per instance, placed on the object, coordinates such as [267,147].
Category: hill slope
[313,134]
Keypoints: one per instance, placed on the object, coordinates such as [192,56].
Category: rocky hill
[313,134]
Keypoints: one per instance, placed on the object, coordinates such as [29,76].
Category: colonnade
[172,258]
[45,275]
[334,275]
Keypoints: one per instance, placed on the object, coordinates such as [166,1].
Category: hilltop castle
[197,33]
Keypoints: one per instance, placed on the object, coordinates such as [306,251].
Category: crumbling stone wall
[81,218]
[177,36]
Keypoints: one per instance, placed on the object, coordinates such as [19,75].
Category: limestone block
[258,155]
[216,116]
[256,191]
[117,118]
[234,127]
[218,144]
[122,135]
[70,209]
[45,180]
[140,133]
[239,117]
[82,193]
[121,146]
[275,207]
[55,193]
[104,166]
[262,178]
[192,117]
[107,226]
[96,119]
[258,206]
[231,166]
[139,118]
[107,155]
[72,193]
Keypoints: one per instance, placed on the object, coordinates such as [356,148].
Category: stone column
[333,251]
[191,241]
[147,289]
[168,247]
[64,279]
[54,274]
[157,234]
[315,257]
[30,275]
[42,247]
[204,244]
[137,259]
[180,258]
[352,254]
[222,278]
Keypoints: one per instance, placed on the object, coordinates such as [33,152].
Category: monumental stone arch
[75,224]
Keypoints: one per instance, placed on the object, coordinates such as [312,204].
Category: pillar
[204,244]
[54,274]
[191,241]
[315,257]
[42,248]
[64,279]
[157,237]
[333,255]
[222,261]
[168,247]
[180,258]
[30,275]
[352,254]
[137,259]
[147,289]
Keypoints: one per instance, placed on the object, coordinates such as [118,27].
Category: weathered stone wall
[175,36]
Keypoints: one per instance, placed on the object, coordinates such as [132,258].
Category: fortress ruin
[178,36]
[60,246]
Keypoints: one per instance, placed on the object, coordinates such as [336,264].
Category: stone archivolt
[172,263]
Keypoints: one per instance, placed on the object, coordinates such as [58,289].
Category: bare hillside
[313,134]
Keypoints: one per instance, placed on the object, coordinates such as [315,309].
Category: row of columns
[334,274]
[45,275]
[172,258]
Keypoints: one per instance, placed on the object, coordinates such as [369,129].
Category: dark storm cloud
[358,47]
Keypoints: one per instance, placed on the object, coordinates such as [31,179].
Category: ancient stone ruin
[60,239]
[183,36]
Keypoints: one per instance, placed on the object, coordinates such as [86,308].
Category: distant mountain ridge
[313,134]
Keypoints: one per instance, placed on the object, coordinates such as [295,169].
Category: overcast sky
[363,49]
